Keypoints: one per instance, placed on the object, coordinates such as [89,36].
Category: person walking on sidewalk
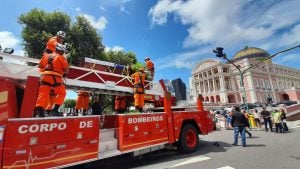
[277,120]
[257,118]
[238,122]
[283,120]
[266,115]
[246,114]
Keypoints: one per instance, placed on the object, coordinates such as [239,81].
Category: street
[265,150]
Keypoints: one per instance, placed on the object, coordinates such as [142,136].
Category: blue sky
[175,34]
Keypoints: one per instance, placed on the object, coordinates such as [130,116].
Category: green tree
[69,103]
[85,41]
[121,57]
[39,26]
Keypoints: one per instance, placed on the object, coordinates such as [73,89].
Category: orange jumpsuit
[82,100]
[120,104]
[138,89]
[53,67]
[150,67]
[51,100]
[51,44]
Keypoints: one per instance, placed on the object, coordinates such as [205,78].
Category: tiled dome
[251,52]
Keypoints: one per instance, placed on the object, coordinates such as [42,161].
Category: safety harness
[49,71]
[139,87]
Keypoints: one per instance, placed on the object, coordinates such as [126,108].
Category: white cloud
[102,8]
[292,37]
[215,22]
[78,9]
[99,23]
[287,59]
[123,9]
[8,40]
[183,60]
[115,48]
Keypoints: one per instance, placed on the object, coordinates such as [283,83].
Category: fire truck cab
[57,142]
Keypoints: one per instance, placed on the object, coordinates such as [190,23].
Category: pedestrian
[138,89]
[53,67]
[277,120]
[283,120]
[52,42]
[266,115]
[257,118]
[246,114]
[149,66]
[238,122]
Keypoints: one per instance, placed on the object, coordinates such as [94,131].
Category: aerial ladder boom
[95,76]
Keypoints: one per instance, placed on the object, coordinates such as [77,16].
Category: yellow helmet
[141,69]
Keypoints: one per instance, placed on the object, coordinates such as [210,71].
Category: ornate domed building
[219,82]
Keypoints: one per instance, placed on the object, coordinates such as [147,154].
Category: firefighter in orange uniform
[53,67]
[52,42]
[138,89]
[149,65]
[82,101]
[120,104]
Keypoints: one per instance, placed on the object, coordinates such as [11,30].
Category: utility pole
[220,54]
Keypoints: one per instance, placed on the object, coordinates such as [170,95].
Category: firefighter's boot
[39,112]
[55,110]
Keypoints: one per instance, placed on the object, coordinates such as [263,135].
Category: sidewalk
[293,124]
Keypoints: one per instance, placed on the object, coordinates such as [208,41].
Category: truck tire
[188,140]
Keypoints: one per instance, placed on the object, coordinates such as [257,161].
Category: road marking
[192,160]
[226,167]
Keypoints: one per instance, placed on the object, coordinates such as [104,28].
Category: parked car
[250,106]
[286,102]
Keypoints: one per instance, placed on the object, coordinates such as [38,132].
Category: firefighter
[149,65]
[120,104]
[52,42]
[138,89]
[53,67]
[51,102]
[82,101]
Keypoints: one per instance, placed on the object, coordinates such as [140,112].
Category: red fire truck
[57,142]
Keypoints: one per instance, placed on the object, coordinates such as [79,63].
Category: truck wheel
[189,140]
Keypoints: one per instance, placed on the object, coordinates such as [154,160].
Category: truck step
[108,154]
[109,145]
[107,134]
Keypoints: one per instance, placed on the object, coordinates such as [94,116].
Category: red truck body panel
[51,142]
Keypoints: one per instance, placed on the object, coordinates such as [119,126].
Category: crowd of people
[240,121]
[54,67]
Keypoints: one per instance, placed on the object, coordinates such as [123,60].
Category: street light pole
[220,54]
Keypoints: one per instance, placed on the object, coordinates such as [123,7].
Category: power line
[251,24]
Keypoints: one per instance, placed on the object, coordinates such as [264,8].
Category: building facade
[219,82]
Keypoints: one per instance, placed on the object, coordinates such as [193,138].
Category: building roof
[251,52]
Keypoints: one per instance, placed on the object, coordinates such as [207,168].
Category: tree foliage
[84,40]
[69,103]
[39,26]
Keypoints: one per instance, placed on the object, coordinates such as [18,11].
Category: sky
[175,34]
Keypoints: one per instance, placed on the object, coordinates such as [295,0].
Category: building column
[214,85]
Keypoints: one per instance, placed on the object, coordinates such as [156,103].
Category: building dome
[251,52]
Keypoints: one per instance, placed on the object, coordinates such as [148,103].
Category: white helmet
[61,47]
[147,58]
[61,34]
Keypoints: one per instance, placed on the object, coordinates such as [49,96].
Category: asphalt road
[265,150]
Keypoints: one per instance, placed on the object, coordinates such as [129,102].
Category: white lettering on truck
[35,128]
[133,120]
